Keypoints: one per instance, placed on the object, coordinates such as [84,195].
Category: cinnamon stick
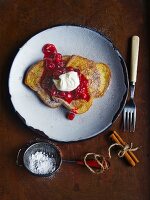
[126,155]
[124,143]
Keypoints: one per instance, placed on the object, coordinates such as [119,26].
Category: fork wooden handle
[134,58]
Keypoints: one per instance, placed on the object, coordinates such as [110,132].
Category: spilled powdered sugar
[41,163]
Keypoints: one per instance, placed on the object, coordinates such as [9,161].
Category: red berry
[60,64]
[48,61]
[49,49]
[51,66]
[84,95]
[68,95]
[63,94]
[58,57]
[70,116]
[83,89]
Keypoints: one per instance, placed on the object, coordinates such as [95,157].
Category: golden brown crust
[105,77]
[32,80]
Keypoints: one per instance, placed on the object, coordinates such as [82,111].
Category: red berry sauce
[54,67]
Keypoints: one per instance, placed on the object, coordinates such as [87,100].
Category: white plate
[69,40]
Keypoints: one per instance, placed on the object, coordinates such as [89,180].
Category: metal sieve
[48,148]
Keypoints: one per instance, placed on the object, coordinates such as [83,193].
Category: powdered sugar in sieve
[42,159]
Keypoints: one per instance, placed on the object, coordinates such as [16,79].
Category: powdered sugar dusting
[41,163]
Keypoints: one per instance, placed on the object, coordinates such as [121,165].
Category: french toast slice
[98,74]
[32,80]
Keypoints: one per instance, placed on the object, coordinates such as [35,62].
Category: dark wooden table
[119,20]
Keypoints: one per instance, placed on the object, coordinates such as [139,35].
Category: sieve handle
[17,159]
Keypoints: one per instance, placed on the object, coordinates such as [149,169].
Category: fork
[129,112]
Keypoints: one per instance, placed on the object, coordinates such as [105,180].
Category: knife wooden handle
[134,58]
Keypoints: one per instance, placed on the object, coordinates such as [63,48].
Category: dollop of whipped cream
[67,82]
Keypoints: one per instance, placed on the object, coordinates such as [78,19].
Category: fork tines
[129,119]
